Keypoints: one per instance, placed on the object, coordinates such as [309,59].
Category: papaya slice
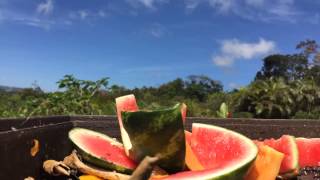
[267,164]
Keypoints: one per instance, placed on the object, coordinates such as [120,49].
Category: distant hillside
[9,88]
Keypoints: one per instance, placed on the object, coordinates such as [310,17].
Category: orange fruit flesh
[266,165]
[89,177]
[191,159]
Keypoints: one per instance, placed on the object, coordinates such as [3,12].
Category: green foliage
[266,99]
[270,98]
[288,67]
[223,111]
[200,86]
[76,97]
[274,98]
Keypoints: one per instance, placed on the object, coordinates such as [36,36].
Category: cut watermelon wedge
[286,145]
[101,150]
[309,151]
[223,153]
[151,132]
[125,103]
[157,132]
[192,161]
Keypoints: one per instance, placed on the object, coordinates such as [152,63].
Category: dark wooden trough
[16,163]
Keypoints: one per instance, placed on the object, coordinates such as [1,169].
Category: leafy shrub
[75,97]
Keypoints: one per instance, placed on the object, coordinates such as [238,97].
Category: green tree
[75,97]
[172,89]
[199,87]
[311,50]
[288,67]
[270,98]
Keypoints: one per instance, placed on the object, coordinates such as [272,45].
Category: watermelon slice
[286,145]
[192,161]
[157,132]
[152,132]
[309,151]
[125,103]
[101,150]
[223,153]
[267,164]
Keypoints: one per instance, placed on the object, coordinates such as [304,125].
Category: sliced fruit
[267,164]
[192,161]
[223,153]
[288,146]
[101,150]
[309,151]
[125,103]
[157,132]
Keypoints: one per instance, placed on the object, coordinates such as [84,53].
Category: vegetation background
[287,86]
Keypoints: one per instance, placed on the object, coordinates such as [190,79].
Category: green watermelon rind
[236,174]
[239,171]
[94,160]
[295,155]
[167,120]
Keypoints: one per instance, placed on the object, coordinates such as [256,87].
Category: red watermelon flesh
[106,150]
[309,151]
[286,145]
[102,150]
[223,153]
[126,103]
[217,149]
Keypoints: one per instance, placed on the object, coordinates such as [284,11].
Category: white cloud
[191,4]
[223,61]
[150,4]
[101,13]
[83,14]
[315,19]
[247,50]
[257,3]
[254,10]
[45,7]
[34,22]
[157,30]
[147,3]
[232,50]
[283,8]
[37,19]
[222,5]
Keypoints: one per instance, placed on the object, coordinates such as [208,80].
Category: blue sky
[147,42]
